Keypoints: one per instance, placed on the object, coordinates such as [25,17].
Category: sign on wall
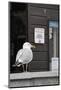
[39,36]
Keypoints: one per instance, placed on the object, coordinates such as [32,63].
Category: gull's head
[28,45]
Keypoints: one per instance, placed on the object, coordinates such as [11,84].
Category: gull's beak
[33,46]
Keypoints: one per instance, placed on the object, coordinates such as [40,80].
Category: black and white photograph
[33,44]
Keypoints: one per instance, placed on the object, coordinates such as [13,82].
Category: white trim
[29,75]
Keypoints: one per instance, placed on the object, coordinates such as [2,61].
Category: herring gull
[24,55]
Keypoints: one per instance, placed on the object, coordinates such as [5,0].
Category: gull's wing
[19,54]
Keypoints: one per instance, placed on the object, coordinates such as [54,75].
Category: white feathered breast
[24,56]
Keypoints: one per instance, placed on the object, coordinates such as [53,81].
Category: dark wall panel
[50,6]
[38,66]
[37,19]
[37,11]
[52,14]
[49,13]
[40,47]
[39,56]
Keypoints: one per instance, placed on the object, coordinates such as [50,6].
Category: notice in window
[39,36]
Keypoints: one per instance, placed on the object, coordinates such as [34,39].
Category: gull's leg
[23,67]
[26,67]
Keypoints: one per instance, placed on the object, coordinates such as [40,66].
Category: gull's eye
[29,44]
